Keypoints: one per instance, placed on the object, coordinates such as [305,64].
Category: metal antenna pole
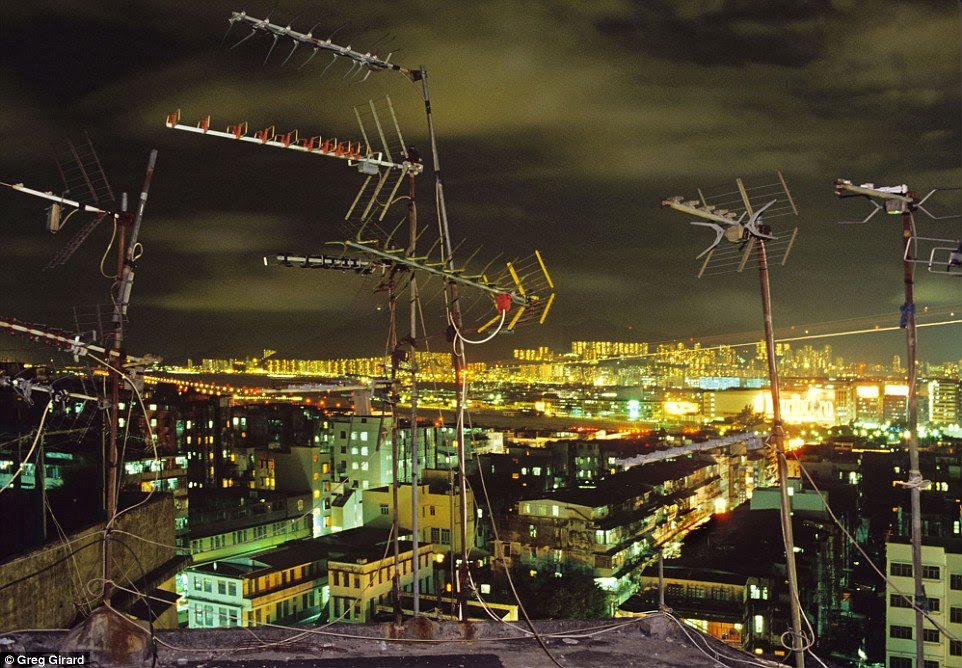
[915,476]
[415,492]
[117,380]
[125,277]
[661,580]
[900,200]
[392,345]
[454,310]
[777,439]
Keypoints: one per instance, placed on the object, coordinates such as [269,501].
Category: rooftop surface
[657,641]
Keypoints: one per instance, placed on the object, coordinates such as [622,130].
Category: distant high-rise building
[868,404]
[539,354]
[944,401]
[592,350]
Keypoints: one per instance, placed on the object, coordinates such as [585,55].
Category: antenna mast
[748,229]
[900,201]
[530,302]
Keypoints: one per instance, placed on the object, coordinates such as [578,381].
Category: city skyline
[560,131]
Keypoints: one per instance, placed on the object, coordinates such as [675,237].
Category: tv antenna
[940,256]
[83,174]
[521,292]
[737,217]
[899,200]
[740,217]
[368,63]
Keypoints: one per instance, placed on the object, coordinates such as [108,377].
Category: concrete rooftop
[656,641]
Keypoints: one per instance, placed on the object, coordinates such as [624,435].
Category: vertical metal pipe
[415,482]
[454,309]
[40,482]
[395,450]
[915,476]
[117,380]
[777,440]
[125,277]
[661,579]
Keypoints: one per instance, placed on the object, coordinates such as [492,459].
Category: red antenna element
[355,152]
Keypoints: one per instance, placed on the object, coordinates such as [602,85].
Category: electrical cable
[33,446]
[84,604]
[493,334]
[343,614]
[113,235]
[494,528]
[714,656]
[908,599]
[7,585]
[123,450]
[150,433]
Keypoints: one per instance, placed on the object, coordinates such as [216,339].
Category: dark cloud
[561,125]
[727,32]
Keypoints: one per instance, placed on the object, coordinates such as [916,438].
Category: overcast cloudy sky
[561,125]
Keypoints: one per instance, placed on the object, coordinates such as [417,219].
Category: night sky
[561,126]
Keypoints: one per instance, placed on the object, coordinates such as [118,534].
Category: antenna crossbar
[366,60]
[355,153]
[72,345]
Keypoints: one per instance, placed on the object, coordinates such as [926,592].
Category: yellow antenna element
[537,254]
[707,260]
[489,323]
[517,281]
[791,243]
[788,194]
[544,314]
[744,194]
[514,320]
[748,252]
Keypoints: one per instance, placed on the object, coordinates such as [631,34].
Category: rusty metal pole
[392,345]
[110,475]
[124,280]
[778,442]
[415,473]
[915,476]
[457,358]
[661,580]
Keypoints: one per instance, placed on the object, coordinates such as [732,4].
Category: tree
[572,596]
[748,418]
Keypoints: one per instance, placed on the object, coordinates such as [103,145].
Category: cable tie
[907,310]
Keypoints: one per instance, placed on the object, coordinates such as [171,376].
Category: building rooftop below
[742,542]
